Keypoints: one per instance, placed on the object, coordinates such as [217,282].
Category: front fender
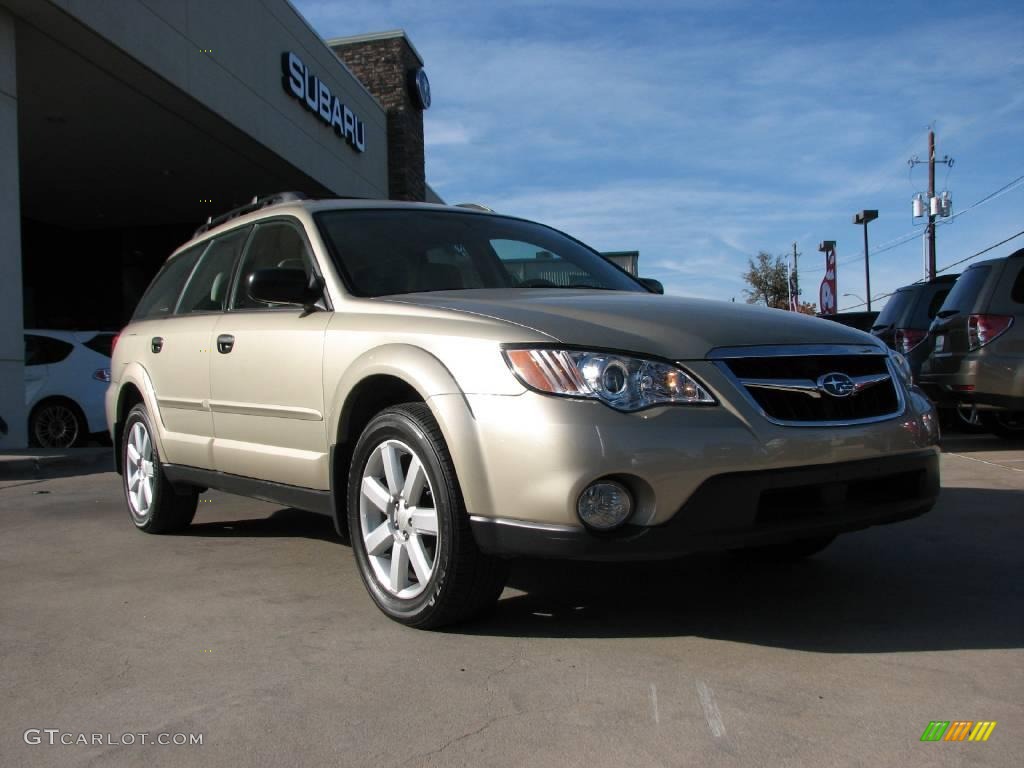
[437,387]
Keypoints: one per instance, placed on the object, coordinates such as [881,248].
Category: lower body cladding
[742,509]
[699,478]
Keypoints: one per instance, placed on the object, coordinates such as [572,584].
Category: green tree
[768,281]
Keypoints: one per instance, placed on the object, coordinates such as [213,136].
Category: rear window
[931,298]
[895,308]
[966,289]
[102,343]
[163,292]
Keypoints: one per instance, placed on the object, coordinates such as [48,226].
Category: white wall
[12,344]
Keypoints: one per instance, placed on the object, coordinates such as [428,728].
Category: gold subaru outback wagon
[455,388]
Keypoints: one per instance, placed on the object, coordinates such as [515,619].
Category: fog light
[604,505]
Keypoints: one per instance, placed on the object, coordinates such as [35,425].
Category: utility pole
[936,206]
[795,284]
[931,195]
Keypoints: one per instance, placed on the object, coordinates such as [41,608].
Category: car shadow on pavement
[42,464]
[283,523]
[947,580]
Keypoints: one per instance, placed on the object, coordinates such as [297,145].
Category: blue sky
[700,132]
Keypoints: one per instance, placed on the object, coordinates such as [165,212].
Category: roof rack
[254,205]
[475,207]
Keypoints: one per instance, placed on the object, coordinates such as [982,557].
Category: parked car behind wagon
[977,345]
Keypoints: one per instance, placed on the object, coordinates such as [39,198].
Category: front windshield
[394,251]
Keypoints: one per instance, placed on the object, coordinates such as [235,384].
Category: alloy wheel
[398,519]
[56,426]
[139,470]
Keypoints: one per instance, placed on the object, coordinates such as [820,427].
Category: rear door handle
[156,344]
[225,343]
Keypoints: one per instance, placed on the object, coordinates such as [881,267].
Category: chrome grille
[815,385]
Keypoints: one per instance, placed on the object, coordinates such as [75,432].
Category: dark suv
[903,323]
[977,340]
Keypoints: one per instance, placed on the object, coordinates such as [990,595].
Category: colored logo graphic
[958,730]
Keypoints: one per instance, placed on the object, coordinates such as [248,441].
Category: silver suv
[977,346]
[455,388]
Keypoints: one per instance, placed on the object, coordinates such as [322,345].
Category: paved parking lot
[254,631]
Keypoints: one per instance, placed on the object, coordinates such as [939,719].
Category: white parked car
[66,377]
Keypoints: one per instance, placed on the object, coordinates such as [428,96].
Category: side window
[43,350]
[208,286]
[162,294]
[275,245]
[529,264]
[1017,292]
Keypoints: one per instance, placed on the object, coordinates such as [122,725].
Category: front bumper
[524,460]
[740,509]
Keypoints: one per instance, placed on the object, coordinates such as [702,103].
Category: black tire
[464,582]
[171,509]
[57,423]
[787,552]
[1008,425]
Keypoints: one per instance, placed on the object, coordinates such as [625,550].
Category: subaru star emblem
[836,385]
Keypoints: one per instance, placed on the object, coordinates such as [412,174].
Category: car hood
[672,327]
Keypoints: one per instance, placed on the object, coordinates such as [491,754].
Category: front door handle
[225,343]
[156,344]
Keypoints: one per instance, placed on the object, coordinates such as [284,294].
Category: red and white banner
[828,291]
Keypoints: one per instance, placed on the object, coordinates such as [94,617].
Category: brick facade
[384,65]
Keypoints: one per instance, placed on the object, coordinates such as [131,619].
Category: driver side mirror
[652,285]
[284,286]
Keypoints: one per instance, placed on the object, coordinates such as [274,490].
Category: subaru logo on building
[836,385]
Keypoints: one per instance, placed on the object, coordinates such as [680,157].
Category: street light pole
[863,218]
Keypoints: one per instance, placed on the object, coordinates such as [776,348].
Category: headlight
[624,383]
[899,362]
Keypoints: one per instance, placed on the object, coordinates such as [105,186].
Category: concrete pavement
[254,630]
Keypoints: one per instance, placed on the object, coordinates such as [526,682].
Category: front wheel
[408,524]
[154,504]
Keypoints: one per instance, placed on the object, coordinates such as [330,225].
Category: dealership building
[124,125]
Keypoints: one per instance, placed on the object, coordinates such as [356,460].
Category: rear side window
[103,343]
[163,292]
[966,289]
[207,288]
[275,245]
[43,350]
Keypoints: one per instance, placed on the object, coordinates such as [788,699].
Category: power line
[945,268]
[899,240]
[979,253]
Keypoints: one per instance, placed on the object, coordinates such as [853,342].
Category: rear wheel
[787,552]
[154,504]
[1009,425]
[57,423]
[409,527]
